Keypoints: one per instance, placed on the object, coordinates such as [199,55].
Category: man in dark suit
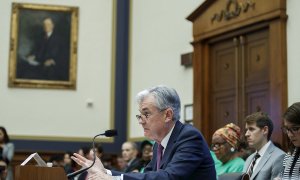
[180,151]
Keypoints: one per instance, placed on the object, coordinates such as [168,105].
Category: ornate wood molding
[233,9]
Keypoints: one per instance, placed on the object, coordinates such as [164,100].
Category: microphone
[107,133]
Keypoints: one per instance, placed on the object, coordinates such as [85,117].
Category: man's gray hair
[133,145]
[165,98]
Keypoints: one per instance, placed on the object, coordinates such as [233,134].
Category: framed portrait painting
[43,46]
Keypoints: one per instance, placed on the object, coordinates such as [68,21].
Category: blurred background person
[147,153]
[7,151]
[57,160]
[244,150]
[69,164]
[291,127]
[121,164]
[225,144]
[85,152]
[129,154]
[99,151]
[3,169]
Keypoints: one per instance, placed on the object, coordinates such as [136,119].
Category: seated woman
[225,143]
[291,162]
[7,150]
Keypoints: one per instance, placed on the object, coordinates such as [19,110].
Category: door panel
[224,109]
[223,66]
[256,57]
[258,99]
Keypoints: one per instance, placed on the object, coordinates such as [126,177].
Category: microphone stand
[71,175]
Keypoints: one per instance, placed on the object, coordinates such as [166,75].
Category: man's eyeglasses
[217,145]
[293,130]
[146,115]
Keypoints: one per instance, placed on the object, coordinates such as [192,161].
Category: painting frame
[41,70]
[188,114]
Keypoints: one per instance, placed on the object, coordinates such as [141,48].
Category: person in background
[121,164]
[244,150]
[3,169]
[225,144]
[85,152]
[265,162]
[99,151]
[7,150]
[57,160]
[69,164]
[291,127]
[147,152]
[129,154]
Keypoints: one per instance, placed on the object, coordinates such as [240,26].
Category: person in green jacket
[225,143]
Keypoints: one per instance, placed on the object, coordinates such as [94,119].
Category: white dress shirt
[261,152]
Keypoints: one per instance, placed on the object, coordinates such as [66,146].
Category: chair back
[234,176]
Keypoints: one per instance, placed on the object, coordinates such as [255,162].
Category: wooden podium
[30,172]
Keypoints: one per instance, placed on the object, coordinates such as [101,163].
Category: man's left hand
[49,62]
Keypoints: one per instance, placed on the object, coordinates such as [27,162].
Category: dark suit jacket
[52,48]
[186,157]
[133,165]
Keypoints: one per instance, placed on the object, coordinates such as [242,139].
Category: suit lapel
[171,142]
[263,160]
[248,162]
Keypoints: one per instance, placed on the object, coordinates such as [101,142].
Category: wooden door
[239,78]
[223,84]
[256,76]
[239,62]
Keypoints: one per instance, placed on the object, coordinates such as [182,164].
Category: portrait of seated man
[48,56]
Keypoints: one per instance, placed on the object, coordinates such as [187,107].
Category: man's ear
[265,130]
[169,115]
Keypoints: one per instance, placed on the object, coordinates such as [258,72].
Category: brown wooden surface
[31,172]
[251,73]
[239,78]
[20,156]
[203,27]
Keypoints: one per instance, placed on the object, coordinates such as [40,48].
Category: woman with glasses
[225,142]
[291,162]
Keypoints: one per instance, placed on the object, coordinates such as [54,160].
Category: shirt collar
[262,151]
[165,140]
[130,161]
[49,34]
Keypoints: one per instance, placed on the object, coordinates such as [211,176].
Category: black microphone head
[111,133]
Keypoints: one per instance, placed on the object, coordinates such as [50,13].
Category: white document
[37,158]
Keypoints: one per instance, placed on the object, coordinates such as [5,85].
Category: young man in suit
[180,151]
[266,162]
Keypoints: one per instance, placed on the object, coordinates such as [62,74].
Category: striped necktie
[250,169]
